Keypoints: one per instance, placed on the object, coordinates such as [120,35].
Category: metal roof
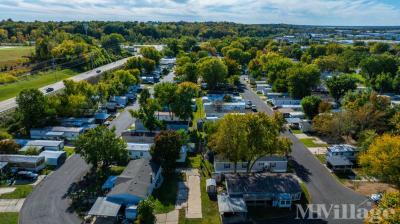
[338,161]
[211,182]
[138,146]
[44,143]
[52,154]
[102,207]
[20,158]
[260,183]
[341,148]
[228,204]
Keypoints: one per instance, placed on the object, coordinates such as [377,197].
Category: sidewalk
[194,199]
[11,205]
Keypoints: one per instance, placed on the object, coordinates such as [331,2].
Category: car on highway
[50,89]
[98,71]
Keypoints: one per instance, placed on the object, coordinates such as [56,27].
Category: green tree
[32,107]
[182,102]
[230,144]
[387,211]
[339,85]
[149,65]
[164,92]
[101,148]
[146,114]
[213,71]
[145,214]
[166,150]
[112,42]
[151,53]
[144,96]
[261,133]
[187,72]
[310,106]
[301,79]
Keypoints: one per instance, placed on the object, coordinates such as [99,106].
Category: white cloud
[318,12]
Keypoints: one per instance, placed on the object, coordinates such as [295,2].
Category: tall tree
[144,96]
[32,107]
[145,212]
[230,139]
[146,114]
[310,106]
[101,147]
[213,71]
[165,92]
[151,53]
[382,158]
[112,42]
[339,85]
[166,150]
[182,103]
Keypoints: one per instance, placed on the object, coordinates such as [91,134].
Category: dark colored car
[50,89]
[98,71]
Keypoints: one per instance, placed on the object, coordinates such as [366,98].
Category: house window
[260,164]
[244,165]
[141,154]
[227,165]
[273,164]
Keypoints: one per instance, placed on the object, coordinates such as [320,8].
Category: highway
[10,104]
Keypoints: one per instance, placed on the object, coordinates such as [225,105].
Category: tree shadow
[300,170]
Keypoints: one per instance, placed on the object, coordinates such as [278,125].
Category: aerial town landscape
[189,112]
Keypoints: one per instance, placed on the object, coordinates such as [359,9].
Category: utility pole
[86,27]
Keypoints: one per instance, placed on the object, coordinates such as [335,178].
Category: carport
[104,208]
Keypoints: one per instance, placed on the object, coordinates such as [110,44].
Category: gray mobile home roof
[341,148]
[52,154]
[338,161]
[25,148]
[102,207]
[231,204]
[45,143]
[136,178]
[20,159]
[138,146]
[262,183]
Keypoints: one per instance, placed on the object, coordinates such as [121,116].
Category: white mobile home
[267,163]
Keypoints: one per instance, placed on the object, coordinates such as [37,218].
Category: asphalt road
[47,204]
[322,186]
[11,103]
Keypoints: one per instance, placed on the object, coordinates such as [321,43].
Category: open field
[11,55]
[36,81]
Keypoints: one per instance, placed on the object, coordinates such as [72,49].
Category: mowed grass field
[11,55]
[35,81]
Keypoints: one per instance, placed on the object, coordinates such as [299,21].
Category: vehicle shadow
[300,170]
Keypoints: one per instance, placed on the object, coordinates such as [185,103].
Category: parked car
[27,175]
[376,198]
[254,108]
[98,71]
[50,89]
[248,104]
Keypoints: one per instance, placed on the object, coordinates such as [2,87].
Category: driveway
[322,186]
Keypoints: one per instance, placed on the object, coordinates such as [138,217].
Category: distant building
[341,158]
[54,158]
[56,133]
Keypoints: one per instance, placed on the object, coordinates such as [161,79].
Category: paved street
[322,186]
[47,204]
[11,103]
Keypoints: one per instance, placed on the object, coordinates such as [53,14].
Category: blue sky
[311,12]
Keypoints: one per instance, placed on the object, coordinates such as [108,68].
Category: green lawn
[309,142]
[21,191]
[321,158]
[297,132]
[165,196]
[69,150]
[35,81]
[8,218]
[194,161]
[199,114]
[208,206]
[10,56]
